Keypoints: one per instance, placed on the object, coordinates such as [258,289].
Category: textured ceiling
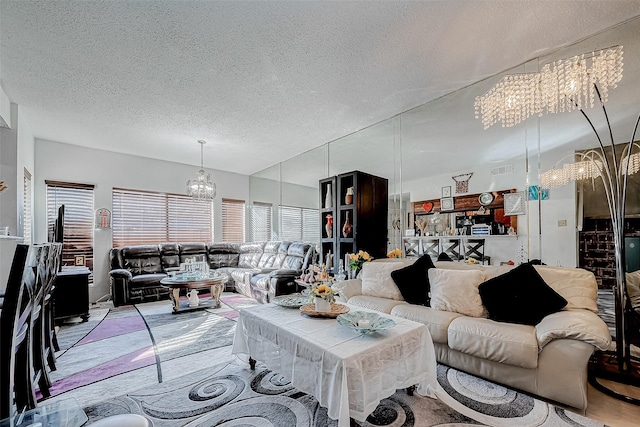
[260,81]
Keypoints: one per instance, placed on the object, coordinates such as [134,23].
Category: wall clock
[485,199]
[514,203]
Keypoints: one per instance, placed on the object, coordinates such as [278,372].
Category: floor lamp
[575,84]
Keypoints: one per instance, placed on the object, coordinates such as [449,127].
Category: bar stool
[453,248]
[474,248]
[431,246]
[412,247]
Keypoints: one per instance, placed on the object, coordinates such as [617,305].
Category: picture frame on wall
[446,203]
[446,191]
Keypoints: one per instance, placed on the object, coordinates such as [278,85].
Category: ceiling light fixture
[567,85]
[201,188]
[564,85]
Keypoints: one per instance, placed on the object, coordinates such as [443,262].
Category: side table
[71,296]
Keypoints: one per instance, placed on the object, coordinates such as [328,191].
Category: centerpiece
[357,260]
[396,253]
[323,296]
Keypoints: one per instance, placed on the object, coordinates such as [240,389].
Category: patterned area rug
[130,338]
[234,395]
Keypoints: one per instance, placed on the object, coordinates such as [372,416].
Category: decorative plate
[485,199]
[375,321]
[336,310]
[291,301]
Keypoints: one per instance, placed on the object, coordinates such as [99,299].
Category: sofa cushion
[377,281]
[577,285]
[383,305]
[437,321]
[413,281]
[520,296]
[456,291]
[500,342]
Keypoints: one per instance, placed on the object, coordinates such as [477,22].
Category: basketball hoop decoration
[462,182]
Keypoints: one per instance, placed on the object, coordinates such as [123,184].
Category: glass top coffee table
[214,281]
[63,413]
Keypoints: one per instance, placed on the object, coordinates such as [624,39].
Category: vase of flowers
[357,260]
[396,253]
[323,296]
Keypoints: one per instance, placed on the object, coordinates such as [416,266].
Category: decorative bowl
[291,301]
[355,320]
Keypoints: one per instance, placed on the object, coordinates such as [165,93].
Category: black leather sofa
[260,270]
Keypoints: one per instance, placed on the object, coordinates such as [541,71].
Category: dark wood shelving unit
[367,214]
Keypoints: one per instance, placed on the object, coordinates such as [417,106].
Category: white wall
[64,162]
[500,249]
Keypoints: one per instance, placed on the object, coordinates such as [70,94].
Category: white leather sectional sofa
[548,359]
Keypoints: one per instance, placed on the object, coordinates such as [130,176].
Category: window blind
[299,224]
[233,220]
[78,218]
[146,217]
[261,221]
[26,208]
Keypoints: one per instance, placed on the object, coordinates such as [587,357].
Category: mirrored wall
[424,153]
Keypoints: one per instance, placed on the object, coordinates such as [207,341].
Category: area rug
[232,395]
[129,338]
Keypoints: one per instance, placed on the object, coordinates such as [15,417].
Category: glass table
[63,413]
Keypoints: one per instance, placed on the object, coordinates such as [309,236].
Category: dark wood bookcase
[367,214]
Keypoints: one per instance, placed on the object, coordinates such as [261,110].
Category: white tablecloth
[347,372]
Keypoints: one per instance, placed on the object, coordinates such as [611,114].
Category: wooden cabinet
[361,201]
[71,295]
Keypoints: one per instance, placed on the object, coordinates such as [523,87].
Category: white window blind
[299,224]
[233,220]
[78,218]
[26,208]
[146,217]
[261,221]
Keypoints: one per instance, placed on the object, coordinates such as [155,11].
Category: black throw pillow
[413,281]
[520,296]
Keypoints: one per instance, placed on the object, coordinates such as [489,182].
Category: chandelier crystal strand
[201,188]
[564,85]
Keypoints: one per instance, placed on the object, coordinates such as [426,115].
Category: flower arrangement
[323,291]
[396,253]
[356,260]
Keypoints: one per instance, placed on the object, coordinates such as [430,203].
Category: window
[78,218]
[232,220]
[146,217]
[261,222]
[26,208]
[299,224]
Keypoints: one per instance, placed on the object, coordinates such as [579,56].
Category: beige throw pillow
[377,281]
[457,291]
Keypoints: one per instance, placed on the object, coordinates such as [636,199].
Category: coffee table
[349,373]
[215,282]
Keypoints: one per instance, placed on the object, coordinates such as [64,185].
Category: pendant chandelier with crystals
[564,85]
[201,188]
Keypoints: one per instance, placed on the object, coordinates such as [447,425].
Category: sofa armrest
[120,273]
[347,289]
[582,325]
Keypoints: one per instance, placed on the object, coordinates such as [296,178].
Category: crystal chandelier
[564,85]
[201,188]
[575,84]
